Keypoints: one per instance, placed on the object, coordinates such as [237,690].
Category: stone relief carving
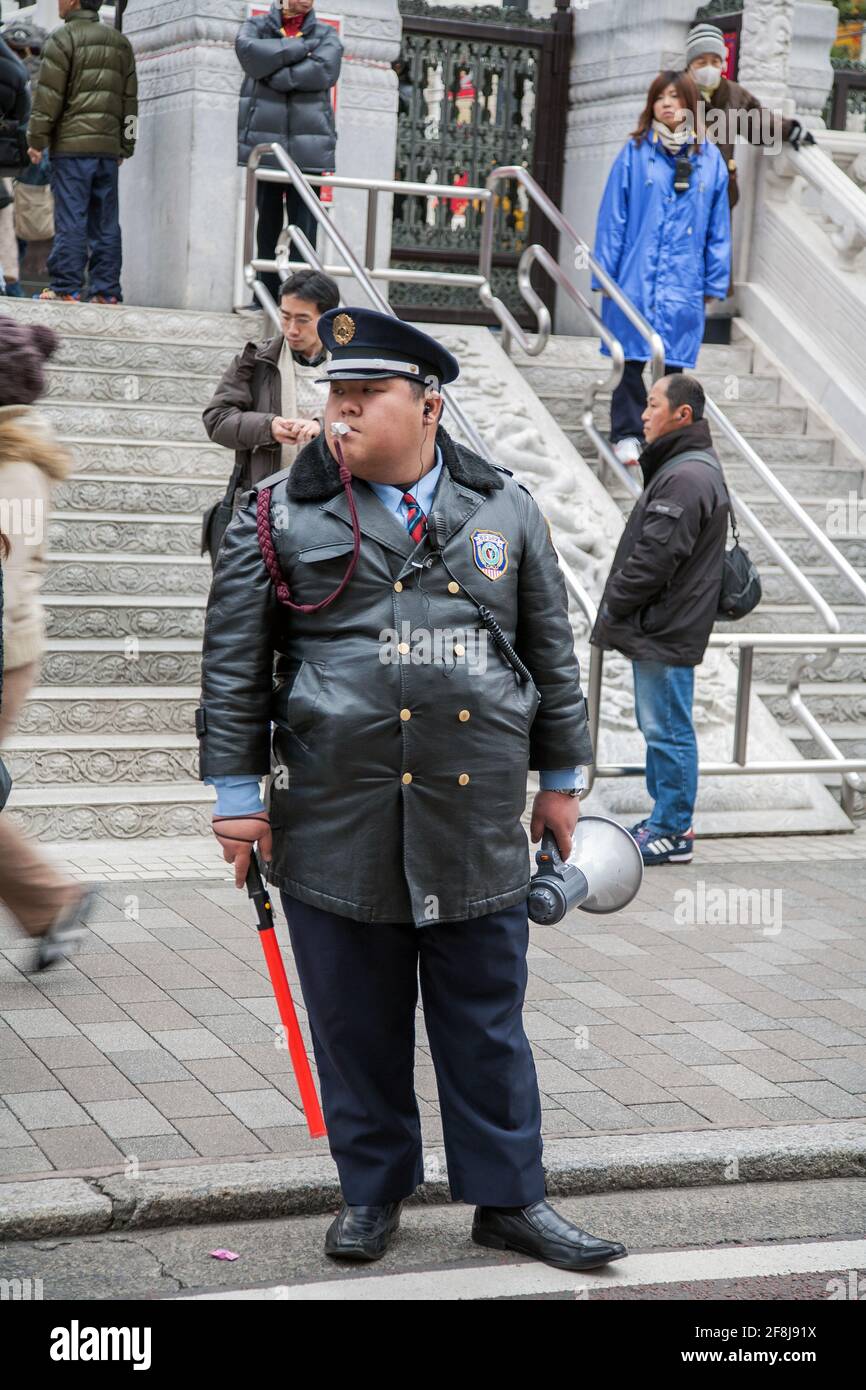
[765,46]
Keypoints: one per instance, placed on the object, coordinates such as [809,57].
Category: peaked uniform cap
[366,345]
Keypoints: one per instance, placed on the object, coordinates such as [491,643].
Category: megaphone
[602,874]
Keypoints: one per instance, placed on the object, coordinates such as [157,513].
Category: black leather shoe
[362,1233]
[540,1231]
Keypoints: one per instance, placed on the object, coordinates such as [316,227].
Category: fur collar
[314,475]
[27,437]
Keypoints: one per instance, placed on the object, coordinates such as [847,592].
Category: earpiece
[428,407]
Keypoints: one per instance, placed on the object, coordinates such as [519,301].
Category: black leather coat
[399,776]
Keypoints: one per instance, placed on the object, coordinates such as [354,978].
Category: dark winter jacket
[286,93]
[86,99]
[14,87]
[244,406]
[399,770]
[662,593]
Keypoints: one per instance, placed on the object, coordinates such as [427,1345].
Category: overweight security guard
[424,661]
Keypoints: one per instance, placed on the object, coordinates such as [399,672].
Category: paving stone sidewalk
[697,1008]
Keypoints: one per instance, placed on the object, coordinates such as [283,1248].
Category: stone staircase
[818,466]
[105,748]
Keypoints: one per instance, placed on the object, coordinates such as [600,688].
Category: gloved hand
[237,835]
[798,135]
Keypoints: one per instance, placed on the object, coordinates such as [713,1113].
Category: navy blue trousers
[360,986]
[86,225]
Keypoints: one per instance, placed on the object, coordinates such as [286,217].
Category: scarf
[288,400]
[674,141]
[292,25]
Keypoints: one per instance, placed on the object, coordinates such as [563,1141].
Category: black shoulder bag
[741,584]
[217,517]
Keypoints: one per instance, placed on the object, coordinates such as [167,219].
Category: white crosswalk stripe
[530,1278]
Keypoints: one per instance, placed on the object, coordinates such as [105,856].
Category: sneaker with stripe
[664,849]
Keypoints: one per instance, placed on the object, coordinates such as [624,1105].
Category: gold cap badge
[344,329]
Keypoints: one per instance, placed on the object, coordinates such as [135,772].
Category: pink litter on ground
[224,1255]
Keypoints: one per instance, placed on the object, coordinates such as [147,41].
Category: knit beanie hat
[705,38]
[24,350]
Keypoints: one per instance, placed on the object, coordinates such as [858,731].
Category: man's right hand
[35,156]
[237,835]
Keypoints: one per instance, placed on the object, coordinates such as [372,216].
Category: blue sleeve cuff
[237,795]
[562,779]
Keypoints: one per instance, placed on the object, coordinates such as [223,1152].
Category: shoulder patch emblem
[490,553]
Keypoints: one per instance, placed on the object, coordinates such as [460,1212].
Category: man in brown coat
[268,405]
[706,56]
[730,111]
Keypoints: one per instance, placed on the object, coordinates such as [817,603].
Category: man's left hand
[553,811]
[35,156]
[306,430]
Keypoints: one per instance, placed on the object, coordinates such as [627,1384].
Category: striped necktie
[416,521]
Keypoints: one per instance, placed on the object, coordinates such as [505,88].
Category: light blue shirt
[392,497]
[239,795]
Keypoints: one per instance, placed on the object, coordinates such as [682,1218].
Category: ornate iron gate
[479,87]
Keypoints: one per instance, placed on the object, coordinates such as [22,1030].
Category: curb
[257,1189]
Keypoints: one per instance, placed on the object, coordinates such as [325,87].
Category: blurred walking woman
[664,235]
[45,903]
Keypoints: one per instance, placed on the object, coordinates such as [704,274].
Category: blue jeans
[663,707]
[86,224]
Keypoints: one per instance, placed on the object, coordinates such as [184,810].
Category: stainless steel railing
[582,256]
[368,274]
[291,173]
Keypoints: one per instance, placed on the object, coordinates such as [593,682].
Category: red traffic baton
[277,971]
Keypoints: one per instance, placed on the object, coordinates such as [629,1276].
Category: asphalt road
[766,1241]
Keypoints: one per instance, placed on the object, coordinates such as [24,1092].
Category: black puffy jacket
[662,593]
[286,93]
[14,87]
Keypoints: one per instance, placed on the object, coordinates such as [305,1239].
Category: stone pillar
[366,122]
[810,72]
[619,47]
[181,194]
[765,46]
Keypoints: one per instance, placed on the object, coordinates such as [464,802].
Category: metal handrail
[746,643]
[511,329]
[360,272]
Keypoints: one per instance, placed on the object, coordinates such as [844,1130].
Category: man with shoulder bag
[669,583]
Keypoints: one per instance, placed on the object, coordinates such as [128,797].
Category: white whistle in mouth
[339,428]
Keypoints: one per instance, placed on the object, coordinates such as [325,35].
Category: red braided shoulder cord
[266,542]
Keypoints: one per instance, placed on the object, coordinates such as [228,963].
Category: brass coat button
[405,714]
[453,588]
[463,778]
[398,587]
[407,778]
[463,715]
[459,649]
[403,647]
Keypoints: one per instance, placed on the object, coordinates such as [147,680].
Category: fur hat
[24,350]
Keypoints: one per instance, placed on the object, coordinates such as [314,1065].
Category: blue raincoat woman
[668,249]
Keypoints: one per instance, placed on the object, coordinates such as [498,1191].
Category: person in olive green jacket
[85,112]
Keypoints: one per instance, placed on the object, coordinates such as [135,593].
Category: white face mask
[708,77]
